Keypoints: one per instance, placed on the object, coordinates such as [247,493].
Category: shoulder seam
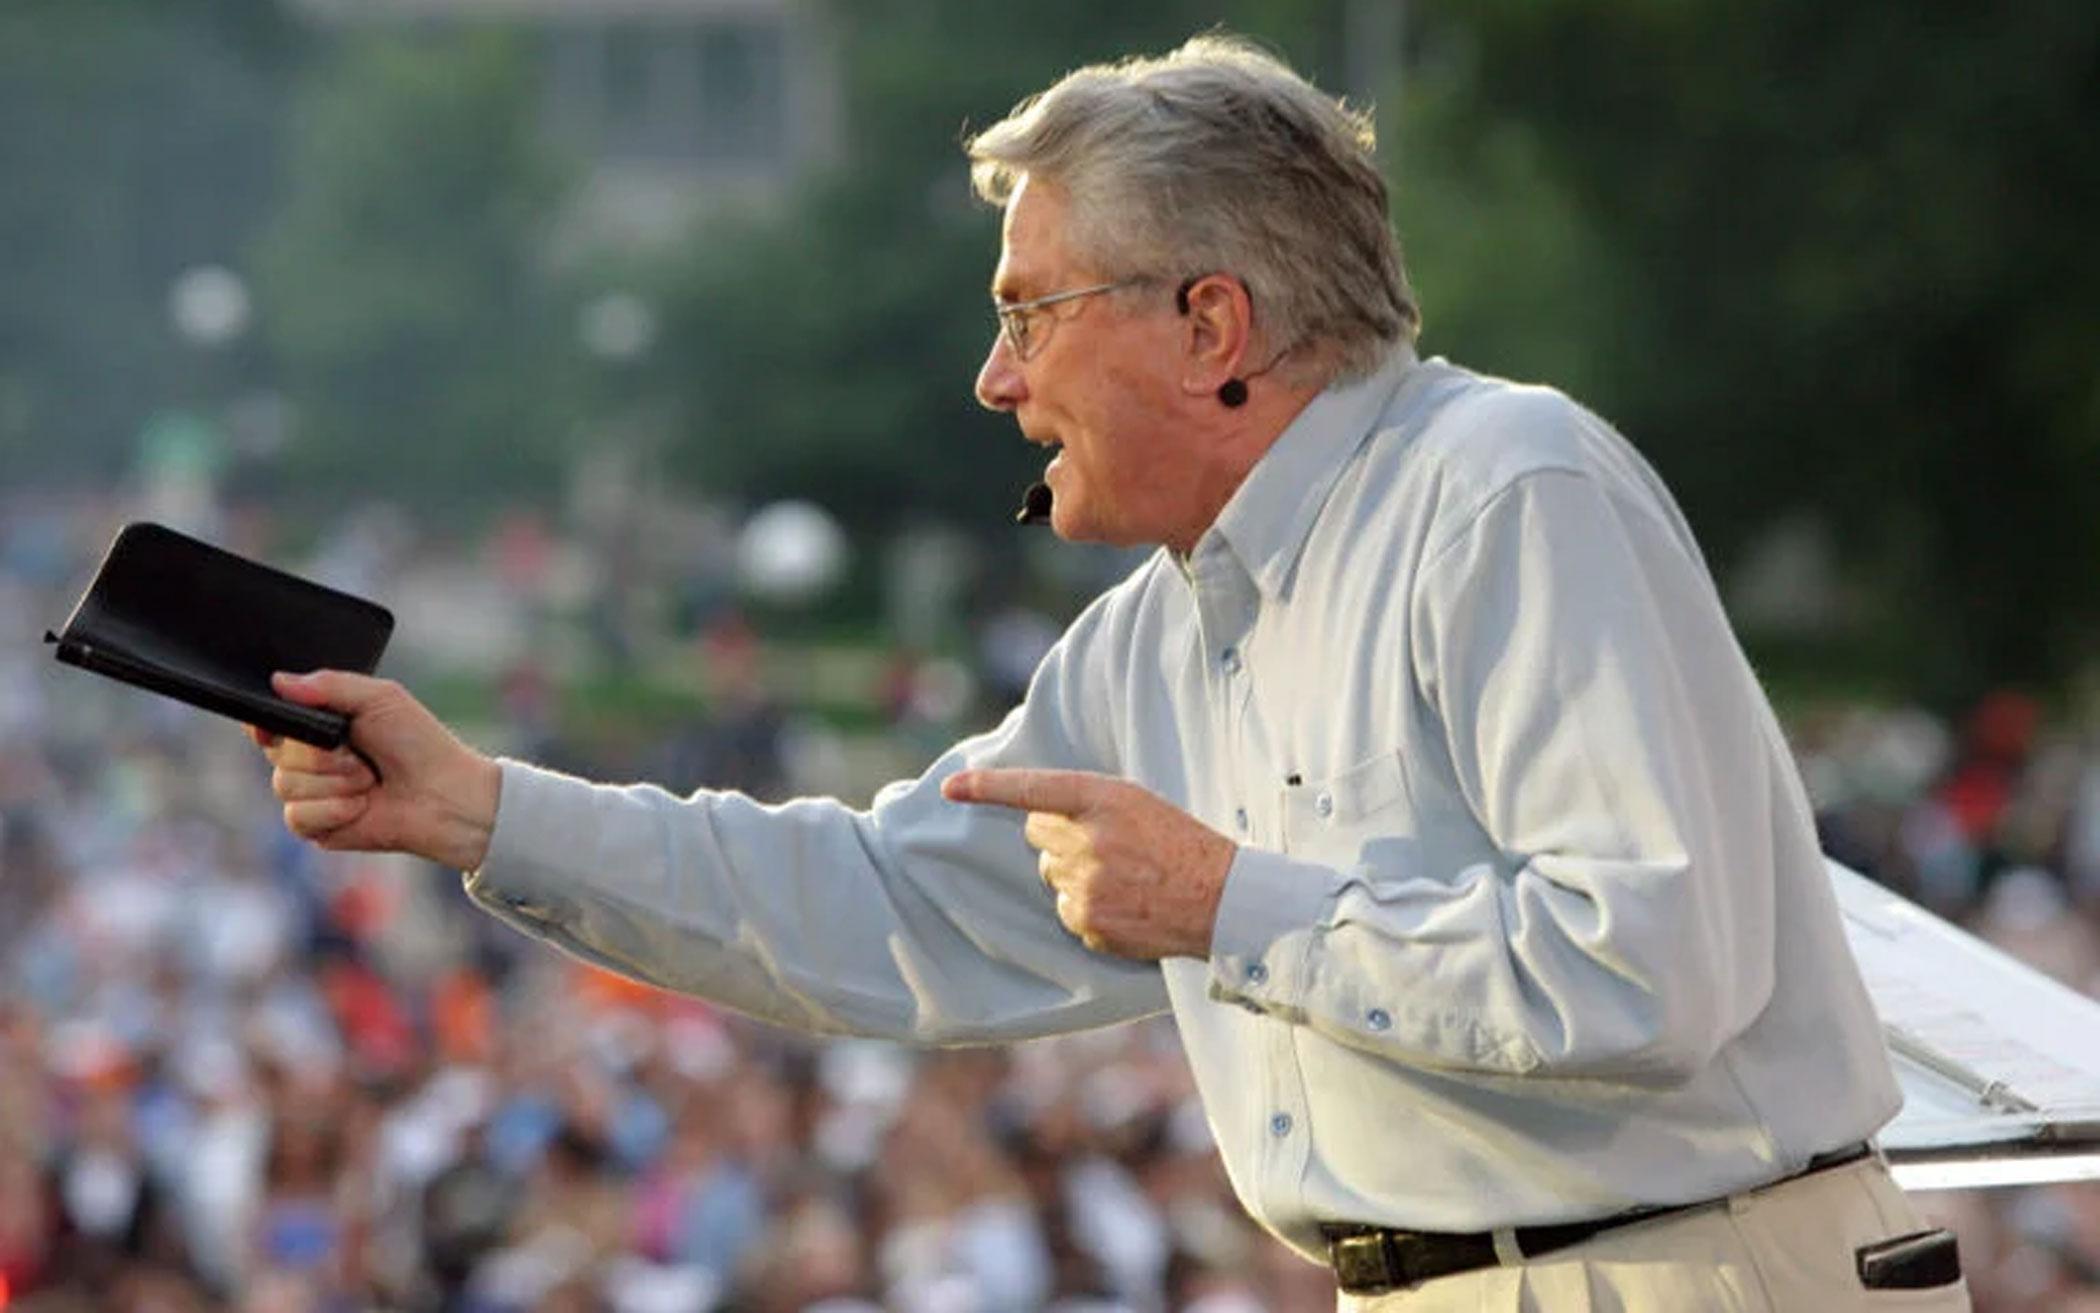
[1472,514]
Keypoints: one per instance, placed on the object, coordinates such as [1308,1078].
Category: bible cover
[194,622]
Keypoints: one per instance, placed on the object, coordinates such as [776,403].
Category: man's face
[1099,384]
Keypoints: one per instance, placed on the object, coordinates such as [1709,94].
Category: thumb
[337,690]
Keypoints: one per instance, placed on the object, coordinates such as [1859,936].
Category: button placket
[1226,604]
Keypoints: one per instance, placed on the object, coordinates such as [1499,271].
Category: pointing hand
[1134,875]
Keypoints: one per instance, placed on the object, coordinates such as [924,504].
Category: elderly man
[1418,773]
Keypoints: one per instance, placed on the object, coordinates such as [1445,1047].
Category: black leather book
[195,622]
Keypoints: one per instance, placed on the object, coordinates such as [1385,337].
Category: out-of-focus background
[623,348]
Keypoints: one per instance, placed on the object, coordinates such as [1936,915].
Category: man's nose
[999,385]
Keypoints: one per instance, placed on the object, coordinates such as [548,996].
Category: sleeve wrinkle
[1590,958]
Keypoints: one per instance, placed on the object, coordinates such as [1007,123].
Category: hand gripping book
[194,622]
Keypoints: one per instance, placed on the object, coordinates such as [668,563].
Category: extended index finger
[1066,792]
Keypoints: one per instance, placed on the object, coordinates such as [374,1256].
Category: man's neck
[1240,444]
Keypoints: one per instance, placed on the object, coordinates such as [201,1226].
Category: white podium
[2000,1065]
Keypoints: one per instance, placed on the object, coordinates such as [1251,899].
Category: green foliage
[1813,259]
[421,342]
[1513,272]
[136,140]
[1831,258]
[829,352]
[1819,260]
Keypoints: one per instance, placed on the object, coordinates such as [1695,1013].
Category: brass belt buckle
[1363,1264]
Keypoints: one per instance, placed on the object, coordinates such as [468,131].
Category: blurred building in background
[680,106]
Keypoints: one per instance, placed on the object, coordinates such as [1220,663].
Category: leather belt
[1370,1260]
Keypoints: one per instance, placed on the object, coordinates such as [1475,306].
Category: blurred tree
[829,351]
[402,281]
[138,138]
[1814,258]
[1823,261]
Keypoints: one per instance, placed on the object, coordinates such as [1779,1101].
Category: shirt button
[1239,817]
[1256,973]
[1324,804]
[1280,1125]
[1230,659]
[1379,1019]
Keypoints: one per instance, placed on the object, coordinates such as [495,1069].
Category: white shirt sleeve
[1607,735]
[918,919]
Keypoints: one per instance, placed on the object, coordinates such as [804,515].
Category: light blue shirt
[1528,923]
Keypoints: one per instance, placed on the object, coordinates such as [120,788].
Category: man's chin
[1068,525]
[1075,518]
[1069,520]
[1073,524]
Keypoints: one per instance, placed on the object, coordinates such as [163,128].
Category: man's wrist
[471,818]
[1203,925]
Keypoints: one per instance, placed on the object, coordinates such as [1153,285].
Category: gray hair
[1217,158]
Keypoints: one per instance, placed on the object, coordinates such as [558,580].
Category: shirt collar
[1270,515]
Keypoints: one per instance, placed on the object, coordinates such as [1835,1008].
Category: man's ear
[1218,332]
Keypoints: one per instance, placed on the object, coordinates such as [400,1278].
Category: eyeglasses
[1018,319]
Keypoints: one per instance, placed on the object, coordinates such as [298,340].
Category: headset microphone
[1035,505]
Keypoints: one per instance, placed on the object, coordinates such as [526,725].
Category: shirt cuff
[1272,909]
[544,821]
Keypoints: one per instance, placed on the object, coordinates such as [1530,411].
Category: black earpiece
[1232,393]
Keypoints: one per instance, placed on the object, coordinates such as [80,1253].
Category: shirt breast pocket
[1361,815]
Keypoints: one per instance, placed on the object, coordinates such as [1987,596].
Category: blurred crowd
[236,1073]
[1992,820]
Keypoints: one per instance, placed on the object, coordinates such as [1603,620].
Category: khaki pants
[1784,1249]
